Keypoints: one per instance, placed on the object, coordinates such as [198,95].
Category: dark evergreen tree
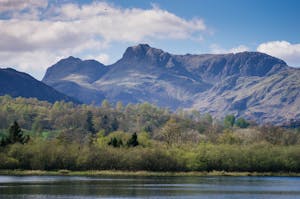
[89,122]
[105,124]
[133,142]
[115,142]
[16,134]
[114,125]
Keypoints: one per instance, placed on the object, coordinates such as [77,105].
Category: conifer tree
[16,134]
[133,142]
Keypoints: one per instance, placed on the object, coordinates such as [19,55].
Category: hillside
[18,84]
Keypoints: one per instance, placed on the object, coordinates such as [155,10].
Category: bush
[8,162]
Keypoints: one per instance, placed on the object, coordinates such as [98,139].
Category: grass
[138,173]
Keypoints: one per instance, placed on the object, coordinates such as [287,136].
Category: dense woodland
[40,135]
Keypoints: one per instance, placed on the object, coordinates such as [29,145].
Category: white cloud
[35,63]
[282,49]
[102,58]
[238,49]
[116,24]
[66,29]
[219,50]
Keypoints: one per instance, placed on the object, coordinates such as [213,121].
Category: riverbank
[138,173]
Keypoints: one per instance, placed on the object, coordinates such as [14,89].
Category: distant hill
[18,84]
[253,85]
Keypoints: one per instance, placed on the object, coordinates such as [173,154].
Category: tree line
[40,135]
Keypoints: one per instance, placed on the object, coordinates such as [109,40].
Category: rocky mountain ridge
[249,84]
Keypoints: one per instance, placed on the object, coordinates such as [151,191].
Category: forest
[37,135]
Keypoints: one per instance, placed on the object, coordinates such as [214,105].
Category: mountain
[248,84]
[18,84]
[75,78]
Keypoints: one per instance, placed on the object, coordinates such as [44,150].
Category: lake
[72,187]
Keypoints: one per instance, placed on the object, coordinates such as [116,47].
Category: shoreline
[142,173]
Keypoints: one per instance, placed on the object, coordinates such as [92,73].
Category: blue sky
[37,33]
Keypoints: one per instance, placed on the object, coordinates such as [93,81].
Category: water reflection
[63,187]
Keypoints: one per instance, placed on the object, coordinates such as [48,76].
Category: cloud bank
[35,33]
[282,49]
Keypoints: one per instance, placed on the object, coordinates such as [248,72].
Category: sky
[35,34]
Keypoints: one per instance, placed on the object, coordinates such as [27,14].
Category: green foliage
[228,137]
[40,154]
[101,140]
[115,142]
[119,106]
[241,123]
[82,137]
[3,138]
[8,162]
[144,139]
[171,132]
[105,104]
[118,138]
[229,121]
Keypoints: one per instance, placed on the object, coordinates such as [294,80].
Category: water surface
[66,187]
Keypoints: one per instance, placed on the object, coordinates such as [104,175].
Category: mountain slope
[249,84]
[17,84]
[272,99]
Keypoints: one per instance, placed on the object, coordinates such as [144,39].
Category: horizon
[38,33]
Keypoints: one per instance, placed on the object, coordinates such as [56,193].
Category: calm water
[53,187]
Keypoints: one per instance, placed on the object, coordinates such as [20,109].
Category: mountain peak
[259,55]
[136,51]
[141,51]
[142,46]
[71,59]
[89,70]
